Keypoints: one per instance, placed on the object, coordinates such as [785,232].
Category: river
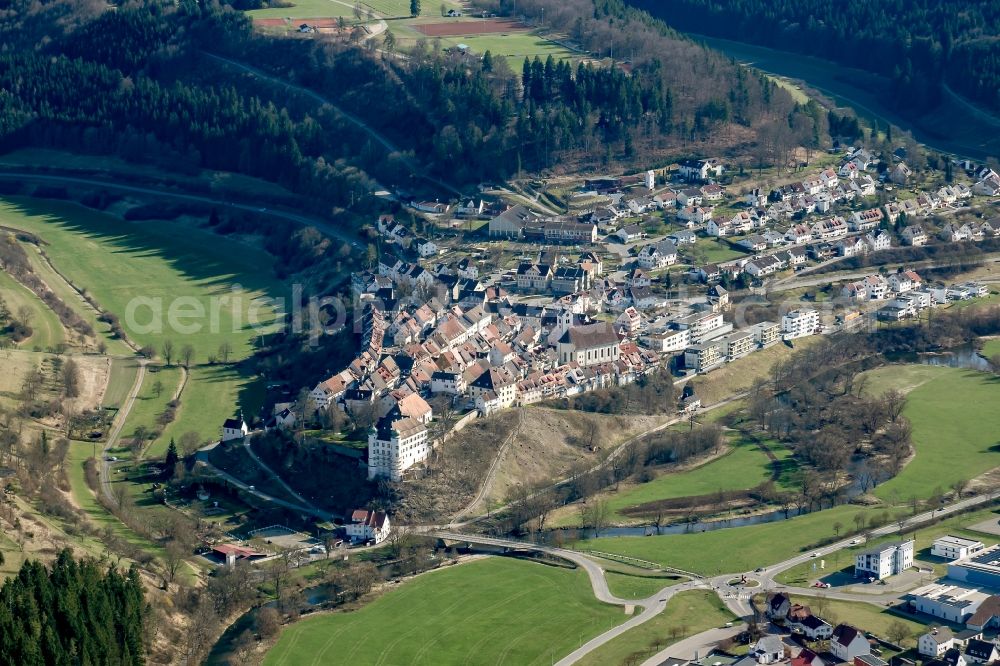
[956,127]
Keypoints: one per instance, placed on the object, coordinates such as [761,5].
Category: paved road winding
[737,603]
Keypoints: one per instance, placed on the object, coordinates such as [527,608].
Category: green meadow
[744,466]
[46,330]
[168,282]
[955,427]
[688,613]
[731,549]
[489,611]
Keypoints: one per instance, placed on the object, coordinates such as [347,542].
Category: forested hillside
[76,612]
[919,44]
[136,82]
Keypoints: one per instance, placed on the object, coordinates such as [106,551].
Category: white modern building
[956,548]
[883,561]
[798,323]
[952,603]
[395,445]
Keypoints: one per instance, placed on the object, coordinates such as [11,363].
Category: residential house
[989,187]
[425,247]
[830,228]
[533,277]
[691,196]
[865,220]
[878,241]
[904,281]
[936,642]
[799,233]
[638,278]
[448,381]
[768,649]
[755,198]
[978,651]
[778,605]
[851,247]
[812,627]
[629,322]
[657,255]
[629,233]
[807,657]
[954,233]
[914,235]
[470,208]
[712,192]
[695,214]
[494,390]
[754,243]
[700,169]
[884,560]
[686,237]
[331,390]
[901,174]
[847,642]
[367,525]
[762,266]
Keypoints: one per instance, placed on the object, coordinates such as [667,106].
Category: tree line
[75,611]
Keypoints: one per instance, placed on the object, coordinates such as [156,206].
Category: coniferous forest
[921,45]
[154,94]
[74,612]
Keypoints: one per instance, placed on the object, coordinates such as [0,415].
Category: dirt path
[116,430]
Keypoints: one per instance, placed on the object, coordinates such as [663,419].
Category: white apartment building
[395,445]
[798,323]
[885,560]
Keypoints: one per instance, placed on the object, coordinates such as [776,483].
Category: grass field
[631,586]
[120,382]
[71,298]
[991,347]
[12,556]
[160,263]
[743,467]
[495,611]
[177,269]
[733,549]
[148,405]
[515,46]
[955,426]
[46,330]
[212,395]
[872,618]
[715,250]
[307,9]
[686,614]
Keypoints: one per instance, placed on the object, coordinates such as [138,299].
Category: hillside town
[589,302]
